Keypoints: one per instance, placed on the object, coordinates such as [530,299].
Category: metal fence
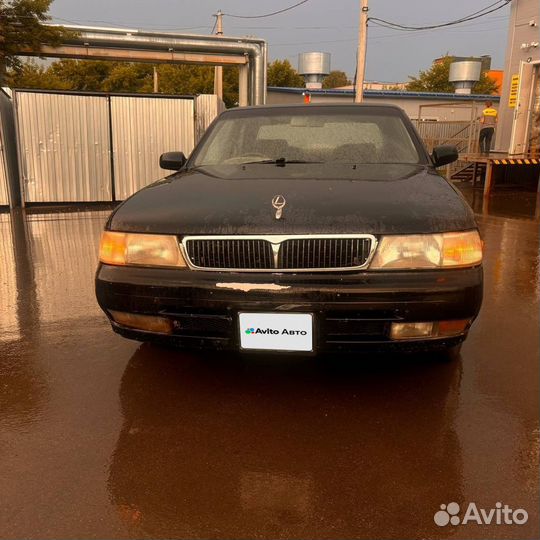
[64,147]
[81,147]
[207,107]
[8,148]
[142,129]
[458,133]
[462,134]
[4,199]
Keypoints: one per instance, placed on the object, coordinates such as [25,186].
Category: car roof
[289,106]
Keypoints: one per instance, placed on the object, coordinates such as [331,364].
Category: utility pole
[361,55]
[218,70]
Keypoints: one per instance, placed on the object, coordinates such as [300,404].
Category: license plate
[276,331]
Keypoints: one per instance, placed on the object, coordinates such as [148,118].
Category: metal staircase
[464,136]
[466,173]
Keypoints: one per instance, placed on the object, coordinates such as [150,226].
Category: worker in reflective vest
[488,121]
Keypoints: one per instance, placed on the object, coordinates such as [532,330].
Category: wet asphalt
[101,437]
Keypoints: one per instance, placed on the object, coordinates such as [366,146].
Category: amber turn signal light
[148,323]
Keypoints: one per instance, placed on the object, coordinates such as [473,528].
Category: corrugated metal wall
[74,147]
[5,112]
[207,107]
[64,147]
[3,175]
[142,129]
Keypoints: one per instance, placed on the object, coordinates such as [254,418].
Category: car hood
[377,199]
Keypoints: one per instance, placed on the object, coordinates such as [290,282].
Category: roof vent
[464,75]
[314,66]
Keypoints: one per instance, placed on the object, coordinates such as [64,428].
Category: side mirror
[172,161]
[443,155]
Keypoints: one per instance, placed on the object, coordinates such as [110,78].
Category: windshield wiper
[280,162]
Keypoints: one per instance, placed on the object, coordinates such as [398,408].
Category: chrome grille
[309,253]
[282,253]
[234,254]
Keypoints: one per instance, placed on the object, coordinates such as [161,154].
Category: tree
[435,79]
[335,79]
[21,27]
[83,75]
[230,85]
[32,75]
[127,77]
[281,73]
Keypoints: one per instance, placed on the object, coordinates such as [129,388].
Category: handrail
[468,126]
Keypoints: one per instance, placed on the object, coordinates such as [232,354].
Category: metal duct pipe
[255,49]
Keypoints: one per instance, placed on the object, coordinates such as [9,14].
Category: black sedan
[297,229]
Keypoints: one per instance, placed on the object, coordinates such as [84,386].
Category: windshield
[324,137]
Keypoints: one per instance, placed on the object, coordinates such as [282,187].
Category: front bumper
[351,310]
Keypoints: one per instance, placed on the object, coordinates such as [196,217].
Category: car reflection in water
[297,446]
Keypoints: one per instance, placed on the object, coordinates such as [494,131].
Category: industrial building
[435,106]
[519,112]
[460,106]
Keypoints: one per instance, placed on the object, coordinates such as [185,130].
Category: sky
[317,25]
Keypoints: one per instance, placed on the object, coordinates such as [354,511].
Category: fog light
[410,330]
[148,323]
[428,330]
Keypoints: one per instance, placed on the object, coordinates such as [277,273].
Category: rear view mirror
[172,161]
[443,155]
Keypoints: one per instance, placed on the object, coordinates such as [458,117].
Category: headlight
[455,249]
[140,249]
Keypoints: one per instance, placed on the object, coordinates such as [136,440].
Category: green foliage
[32,75]
[336,79]
[281,73]
[124,77]
[87,75]
[128,77]
[435,79]
[230,85]
[21,27]
[186,79]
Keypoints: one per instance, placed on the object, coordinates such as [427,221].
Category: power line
[374,37]
[121,23]
[173,27]
[266,14]
[475,15]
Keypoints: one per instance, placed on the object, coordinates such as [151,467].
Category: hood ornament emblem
[279,202]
